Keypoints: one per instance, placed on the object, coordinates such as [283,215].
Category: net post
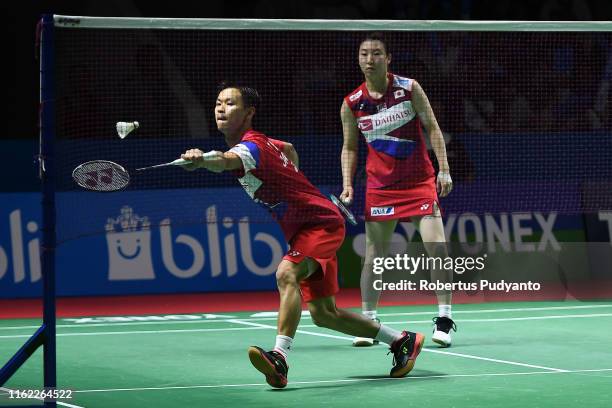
[45,335]
[47,172]
[28,348]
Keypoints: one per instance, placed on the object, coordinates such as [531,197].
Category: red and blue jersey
[273,181]
[397,155]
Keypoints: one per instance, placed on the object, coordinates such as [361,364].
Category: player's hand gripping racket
[181,162]
[105,175]
[347,213]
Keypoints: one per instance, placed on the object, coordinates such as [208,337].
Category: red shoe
[272,364]
[405,351]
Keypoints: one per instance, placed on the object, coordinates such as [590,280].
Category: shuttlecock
[124,128]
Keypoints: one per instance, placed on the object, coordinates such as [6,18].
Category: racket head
[347,213]
[101,175]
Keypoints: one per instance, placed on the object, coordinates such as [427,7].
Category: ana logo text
[365,125]
[379,211]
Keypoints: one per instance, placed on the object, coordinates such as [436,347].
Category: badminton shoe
[272,364]
[405,351]
[441,330]
[365,341]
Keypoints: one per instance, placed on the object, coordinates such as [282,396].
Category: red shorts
[321,244]
[383,204]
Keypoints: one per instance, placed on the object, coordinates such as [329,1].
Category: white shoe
[441,332]
[364,342]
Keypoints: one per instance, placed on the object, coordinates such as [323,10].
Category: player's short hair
[376,36]
[250,96]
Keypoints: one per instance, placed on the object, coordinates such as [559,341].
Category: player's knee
[323,317]
[286,276]
[367,271]
[437,247]
[370,257]
[373,250]
[433,233]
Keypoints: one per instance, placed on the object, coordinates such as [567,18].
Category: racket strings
[101,175]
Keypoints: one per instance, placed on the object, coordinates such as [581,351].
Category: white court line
[305,314]
[256,326]
[513,319]
[494,360]
[519,309]
[424,349]
[346,380]
[507,319]
[64,404]
[18,336]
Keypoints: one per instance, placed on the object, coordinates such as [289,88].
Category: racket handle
[209,155]
[179,162]
[182,162]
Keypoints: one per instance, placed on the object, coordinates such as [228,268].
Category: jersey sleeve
[353,99]
[279,144]
[249,154]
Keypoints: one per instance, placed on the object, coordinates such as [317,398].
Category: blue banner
[136,249]
[133,253]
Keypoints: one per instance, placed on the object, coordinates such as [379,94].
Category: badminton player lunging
[313,227]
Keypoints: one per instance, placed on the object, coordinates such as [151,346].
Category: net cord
[327,25]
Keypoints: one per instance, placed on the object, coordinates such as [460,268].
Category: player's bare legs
[273,364]
[288,277]
[431,229]
[324,313]
[405,346]
[378,238]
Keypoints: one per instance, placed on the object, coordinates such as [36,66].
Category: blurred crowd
[490,83]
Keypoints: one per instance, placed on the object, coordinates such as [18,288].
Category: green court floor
[538,354]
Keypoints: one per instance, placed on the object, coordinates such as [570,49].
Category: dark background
[20,80]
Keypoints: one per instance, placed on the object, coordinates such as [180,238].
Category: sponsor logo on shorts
[399,93]
[355,96]
[379,211]
[365,125]
[424,207]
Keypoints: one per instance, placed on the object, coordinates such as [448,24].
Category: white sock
[387,335]
[445,311]
[283,345]
[370,314]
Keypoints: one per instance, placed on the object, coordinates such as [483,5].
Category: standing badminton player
[388,110]
[313,227]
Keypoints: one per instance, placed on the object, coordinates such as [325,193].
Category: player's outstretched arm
[348,158]
[428,119]
[214,161]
